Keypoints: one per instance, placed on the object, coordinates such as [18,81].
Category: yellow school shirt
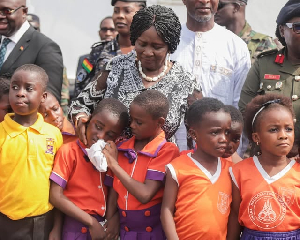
[26,160]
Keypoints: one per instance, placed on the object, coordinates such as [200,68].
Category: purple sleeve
[58,180]
[155,175]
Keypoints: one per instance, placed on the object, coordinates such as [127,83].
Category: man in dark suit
[26,45]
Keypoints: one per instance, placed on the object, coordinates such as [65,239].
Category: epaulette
[100,43]
[266,53]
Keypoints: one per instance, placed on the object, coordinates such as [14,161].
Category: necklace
[154,79]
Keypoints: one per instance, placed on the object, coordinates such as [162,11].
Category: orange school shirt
[81,182]
[269,204]
[203,200]
[149,163]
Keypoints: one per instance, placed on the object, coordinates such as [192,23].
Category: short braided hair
[164,20]
[4,86]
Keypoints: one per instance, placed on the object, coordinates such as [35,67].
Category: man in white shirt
[218,58]
[22,44]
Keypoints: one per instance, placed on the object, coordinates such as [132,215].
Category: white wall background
[74,24]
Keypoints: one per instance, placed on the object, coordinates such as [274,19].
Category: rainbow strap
[87,65]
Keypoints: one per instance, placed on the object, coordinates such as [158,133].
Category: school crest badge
[288,195]
[223,202]
[49,145]
[267,210]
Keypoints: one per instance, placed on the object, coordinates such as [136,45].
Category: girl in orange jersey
[266,189]
[197,197]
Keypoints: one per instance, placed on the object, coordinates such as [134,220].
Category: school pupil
[77,188]
[138,167]
[234,135]
[53,114]
[4,102]
[28,145]
[266,187]
[197,197]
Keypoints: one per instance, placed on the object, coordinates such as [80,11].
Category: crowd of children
[49,189]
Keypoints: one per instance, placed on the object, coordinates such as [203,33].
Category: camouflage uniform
[65,96]
[256,42]
[101,53]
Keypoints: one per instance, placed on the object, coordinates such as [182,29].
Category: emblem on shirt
[223,202]
[288,195]
[49,145]
[267,210]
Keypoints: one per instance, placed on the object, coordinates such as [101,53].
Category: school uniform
[68,131]
[203,200]
[142,221]
[82,184]
[26,160]
[269,204]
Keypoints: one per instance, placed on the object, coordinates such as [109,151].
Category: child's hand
[111,153]
[113,227]
[96,230]
[55,234]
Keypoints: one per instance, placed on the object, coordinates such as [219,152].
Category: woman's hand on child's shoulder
[111,153]
[96,230]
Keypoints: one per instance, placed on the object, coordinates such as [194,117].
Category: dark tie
[3,50]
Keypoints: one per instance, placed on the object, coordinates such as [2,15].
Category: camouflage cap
[291,9]
[113,2]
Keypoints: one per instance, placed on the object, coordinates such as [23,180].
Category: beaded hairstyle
[164,20]
[260,105]
[154,102]
[200,107]
[114,106]
[42,75]
[4,86]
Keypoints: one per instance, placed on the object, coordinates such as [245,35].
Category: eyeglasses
[295,26]
[8,11]
[107,29]
[223,4]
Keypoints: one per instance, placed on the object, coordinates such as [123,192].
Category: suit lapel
[20,47]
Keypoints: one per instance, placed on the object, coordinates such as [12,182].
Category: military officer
[103,51]
[278,71]
[231,14]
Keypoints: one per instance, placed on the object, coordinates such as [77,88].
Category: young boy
[4,103]
[77,187]
[139,169]
[28,146]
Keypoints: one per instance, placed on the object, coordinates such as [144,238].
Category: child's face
[4,106]
[142,124]
[52,111]
[26,93]
[276,135]
[104,125]
[211,133]
[234,137]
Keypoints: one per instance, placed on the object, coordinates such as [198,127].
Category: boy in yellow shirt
[27,149]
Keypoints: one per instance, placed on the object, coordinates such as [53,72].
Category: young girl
[197,197]
[266,187]
[77,188]
[139,169]
[53,114]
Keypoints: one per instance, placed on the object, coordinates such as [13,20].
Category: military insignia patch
[87,65]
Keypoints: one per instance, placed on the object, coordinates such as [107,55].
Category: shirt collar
[150,150]
[14,129]
[18,34]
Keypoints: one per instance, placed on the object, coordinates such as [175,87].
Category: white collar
[18,34]
[213,178]
[277,176]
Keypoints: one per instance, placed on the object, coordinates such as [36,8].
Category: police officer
[103,51]
[231,14]
[278,71]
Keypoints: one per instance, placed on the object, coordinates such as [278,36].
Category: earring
[257,143]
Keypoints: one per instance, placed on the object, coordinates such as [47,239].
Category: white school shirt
[220,61]
[15,39]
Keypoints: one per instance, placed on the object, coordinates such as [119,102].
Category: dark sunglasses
[223,4]
[295,26]
[107,29]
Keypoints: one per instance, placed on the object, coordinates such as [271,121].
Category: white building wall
[74,24]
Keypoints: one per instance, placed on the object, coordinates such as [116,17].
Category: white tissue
[96,156]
